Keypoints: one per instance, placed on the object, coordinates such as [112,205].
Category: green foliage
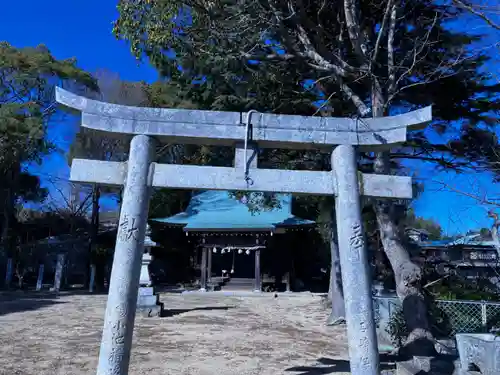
[27,80]
[485,233]
[481,146]
[439,320]
[397,328]
[259,55]
[99,254]
[94,145]
[456,287]
[221,41]
[28,76]
[443,320]
[168,202]
[446,319]
[432,227]
[34,225]
[257,201]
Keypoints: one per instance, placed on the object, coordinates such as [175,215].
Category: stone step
[240,281]
[238,285]
[242,284]
[148,303]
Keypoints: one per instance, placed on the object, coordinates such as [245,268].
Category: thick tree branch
[391,79]
[354,30]
[319,60]
[382,31]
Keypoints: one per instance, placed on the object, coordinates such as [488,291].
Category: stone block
[150,311]
[145,291]
[479,352]
[148,300]
[446,347]
[148,303]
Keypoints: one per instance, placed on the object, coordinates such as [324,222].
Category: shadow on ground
[444,365]
[172,312]
[13,305]
[331,366]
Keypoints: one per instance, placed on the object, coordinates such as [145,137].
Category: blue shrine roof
[218,210]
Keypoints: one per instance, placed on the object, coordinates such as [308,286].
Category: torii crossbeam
[140,174]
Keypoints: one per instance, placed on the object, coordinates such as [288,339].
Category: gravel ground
[200,335]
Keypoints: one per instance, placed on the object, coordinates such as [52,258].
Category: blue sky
[82,29]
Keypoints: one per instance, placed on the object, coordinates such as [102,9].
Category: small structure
[231,237]
[148,302]
[417,235]
[470,256]
[479,353]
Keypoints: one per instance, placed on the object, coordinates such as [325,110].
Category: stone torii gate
[244,132]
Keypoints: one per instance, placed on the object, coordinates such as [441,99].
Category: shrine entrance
[233,241]
[140,174]
[237,263]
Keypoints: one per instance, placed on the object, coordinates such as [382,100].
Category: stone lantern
[145,279]
[148,302]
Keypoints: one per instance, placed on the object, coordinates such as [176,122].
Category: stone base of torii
[140,174]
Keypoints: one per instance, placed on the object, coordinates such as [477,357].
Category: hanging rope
[232,267]
[231,248]
[248,133]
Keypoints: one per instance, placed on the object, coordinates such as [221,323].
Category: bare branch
[483,200]
[474,10]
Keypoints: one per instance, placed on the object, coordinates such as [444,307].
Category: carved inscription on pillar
[119,332]
[122,309]
[115,357]
[118,340]
[129,229]
[356,241]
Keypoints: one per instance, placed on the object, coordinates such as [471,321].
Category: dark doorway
[242,264]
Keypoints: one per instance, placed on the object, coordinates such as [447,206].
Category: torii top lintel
[226,128]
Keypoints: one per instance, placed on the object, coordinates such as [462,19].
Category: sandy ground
[201,335]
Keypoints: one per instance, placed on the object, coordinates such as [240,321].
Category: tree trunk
[6,220]
[120,200]
[20,281]
[96,195]
[335,292]
[408,275]
[19,272]
[100,275]
[495,235]
[94,229]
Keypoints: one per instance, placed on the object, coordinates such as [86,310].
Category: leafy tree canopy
[282,56]
[340,58]
[296,57]
[27,80]
[432,227]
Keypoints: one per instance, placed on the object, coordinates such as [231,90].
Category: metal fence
[463,316]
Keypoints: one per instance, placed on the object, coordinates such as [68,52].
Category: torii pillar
[114,355]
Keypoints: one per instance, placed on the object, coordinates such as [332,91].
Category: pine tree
[27,104]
